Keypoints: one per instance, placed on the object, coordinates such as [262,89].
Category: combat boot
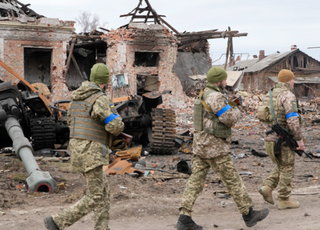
[253,216]
[286,204]
[266,192]
[50,224]
[186,223]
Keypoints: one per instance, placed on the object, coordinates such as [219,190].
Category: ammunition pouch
[218,129]
[264,114]
[198,115]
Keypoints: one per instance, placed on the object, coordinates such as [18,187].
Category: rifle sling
[203,103]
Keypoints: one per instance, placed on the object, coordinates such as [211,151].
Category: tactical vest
[82,125]
[264,111]
[218,129]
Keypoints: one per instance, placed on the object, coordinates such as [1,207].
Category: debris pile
[132,161]
[194,90]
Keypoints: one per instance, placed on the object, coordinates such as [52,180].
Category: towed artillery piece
[27,116]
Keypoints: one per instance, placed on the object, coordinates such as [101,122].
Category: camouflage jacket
[286,99]
[206,145]
[87,154]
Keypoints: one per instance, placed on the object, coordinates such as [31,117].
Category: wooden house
[261,73]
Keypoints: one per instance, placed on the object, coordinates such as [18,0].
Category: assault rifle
[235,102]
[284,135]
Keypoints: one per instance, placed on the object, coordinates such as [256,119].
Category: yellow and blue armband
[111,117]
[224,109]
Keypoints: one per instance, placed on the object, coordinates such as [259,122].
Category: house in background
[260,73]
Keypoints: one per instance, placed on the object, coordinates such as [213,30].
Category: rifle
[284,135]
[235,102]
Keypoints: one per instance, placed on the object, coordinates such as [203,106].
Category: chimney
[261,55]
[294,47]
[255,56]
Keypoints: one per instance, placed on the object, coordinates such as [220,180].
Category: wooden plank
[43,98]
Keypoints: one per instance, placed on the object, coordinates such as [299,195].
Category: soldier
[212,149]
[91,119]
[286,114]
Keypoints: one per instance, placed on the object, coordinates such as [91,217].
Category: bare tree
[87,21]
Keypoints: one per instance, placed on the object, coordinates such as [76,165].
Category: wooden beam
[43,98]
[173,29]
[73,41]
[143,16]
[197,33]
[156,18]
[88,36]
[77,67]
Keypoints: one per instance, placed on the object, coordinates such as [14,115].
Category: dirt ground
[151,202]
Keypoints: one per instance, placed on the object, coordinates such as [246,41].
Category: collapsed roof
[15,9]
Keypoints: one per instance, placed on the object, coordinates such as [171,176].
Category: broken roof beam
[156,18]
[184,34]
[171,27]
[213,33]
[88,36]
[139,16]
[29,12]
[16,8]
[198,36]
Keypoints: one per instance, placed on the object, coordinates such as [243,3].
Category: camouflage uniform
[283,172]
[213,152]
[88,157]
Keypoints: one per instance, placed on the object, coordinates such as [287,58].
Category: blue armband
[223,110]
[110,118]
[293,114]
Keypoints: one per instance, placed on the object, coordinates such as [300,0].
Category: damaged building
[260,73]
[34,47]
[145,55]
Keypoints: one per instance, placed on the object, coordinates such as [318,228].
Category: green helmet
[216,74]
[99,74]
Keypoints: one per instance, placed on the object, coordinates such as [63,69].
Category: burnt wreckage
[41,122]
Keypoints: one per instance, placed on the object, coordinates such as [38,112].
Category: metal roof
[254,65]
[268,60]
[241,65]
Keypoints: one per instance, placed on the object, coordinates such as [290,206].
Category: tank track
[43,133]
[163,131]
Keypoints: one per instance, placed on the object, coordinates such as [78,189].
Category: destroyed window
[295,62]
[37,62]
[146,83]
[306,92]
[146,59]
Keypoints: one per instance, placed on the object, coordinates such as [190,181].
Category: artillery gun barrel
[38,180]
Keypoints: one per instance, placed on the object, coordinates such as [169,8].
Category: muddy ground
[151,202]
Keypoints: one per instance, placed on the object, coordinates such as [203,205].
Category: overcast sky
[272,25]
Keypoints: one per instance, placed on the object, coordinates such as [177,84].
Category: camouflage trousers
[225,169]
[96,199]
[283,171]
